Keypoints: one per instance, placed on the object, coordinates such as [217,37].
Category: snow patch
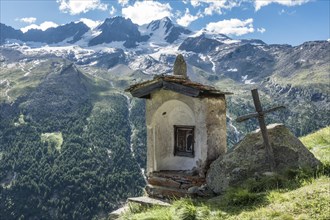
[247,81]
[159,52]
[93,63]
[232,70]
[90,23]
[203,57]
[108,47]
[158,35]
[231,41]
[213,63]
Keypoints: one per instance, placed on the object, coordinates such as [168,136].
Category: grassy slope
[308,200]
[319,144]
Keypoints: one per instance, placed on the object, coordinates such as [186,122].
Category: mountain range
[63,107]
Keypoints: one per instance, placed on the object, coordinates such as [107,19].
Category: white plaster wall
[172,113]
[166,109]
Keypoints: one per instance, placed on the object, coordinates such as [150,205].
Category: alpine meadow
[73,142]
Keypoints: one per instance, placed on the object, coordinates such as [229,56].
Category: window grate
[184,140]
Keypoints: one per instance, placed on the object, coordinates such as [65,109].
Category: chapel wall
[167,108]
[164,110]
[216,128]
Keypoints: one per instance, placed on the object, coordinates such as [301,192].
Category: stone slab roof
[177,84]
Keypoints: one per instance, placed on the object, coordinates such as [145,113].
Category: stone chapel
[186,130]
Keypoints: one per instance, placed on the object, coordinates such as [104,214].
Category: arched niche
[169,114]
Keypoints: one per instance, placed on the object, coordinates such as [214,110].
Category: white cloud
[195,3]
[43,26]
[187,18]
[90,23]
[147,11]
[286,12]
[29,20]
[215,6]
[80,6]
[281,12]
[231,27]
[261,3]
[261,30]
[123,2]
[211,7]
[112,10]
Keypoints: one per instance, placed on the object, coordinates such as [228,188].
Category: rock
[147,201]
[180,66]
[117,213]
[248,158]
[193,189]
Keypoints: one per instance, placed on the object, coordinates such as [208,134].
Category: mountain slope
[86,173]
[7,32]
[64,114]
[285,199]
[118,29]
[165,29]
[71,32]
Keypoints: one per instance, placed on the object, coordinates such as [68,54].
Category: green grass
[319,144]
[55,139]
[298,194]
[318,75]
[320,138]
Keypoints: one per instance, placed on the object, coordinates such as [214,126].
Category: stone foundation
[175,184]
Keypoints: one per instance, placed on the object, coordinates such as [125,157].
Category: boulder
[248,158]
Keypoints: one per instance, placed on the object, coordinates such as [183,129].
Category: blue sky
[273,21]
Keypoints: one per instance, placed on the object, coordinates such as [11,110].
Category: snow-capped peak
[163,30]
[90,23]
[219,37]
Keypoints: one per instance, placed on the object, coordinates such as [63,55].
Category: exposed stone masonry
[169,184]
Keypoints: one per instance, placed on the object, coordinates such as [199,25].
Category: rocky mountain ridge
[62,103]
[122,52]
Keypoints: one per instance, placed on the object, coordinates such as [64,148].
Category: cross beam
[260,114]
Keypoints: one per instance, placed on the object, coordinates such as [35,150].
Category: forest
[77,165]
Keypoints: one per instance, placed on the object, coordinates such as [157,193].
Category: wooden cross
[260,114]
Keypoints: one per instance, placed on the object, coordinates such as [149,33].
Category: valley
[74,142]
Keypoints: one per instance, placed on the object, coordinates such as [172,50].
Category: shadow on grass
[253,193]
[237,200]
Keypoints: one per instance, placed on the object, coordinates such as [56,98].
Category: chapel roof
[174,83]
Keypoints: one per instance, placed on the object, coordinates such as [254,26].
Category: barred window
[184,139]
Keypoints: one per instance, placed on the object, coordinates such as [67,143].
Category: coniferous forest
[76,165]
[73,142]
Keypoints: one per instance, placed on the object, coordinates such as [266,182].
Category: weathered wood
[177,83]
[246,117]
[146,90]
[274,109]
[263,128]
[185,90]
[254,115]
[260,114]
